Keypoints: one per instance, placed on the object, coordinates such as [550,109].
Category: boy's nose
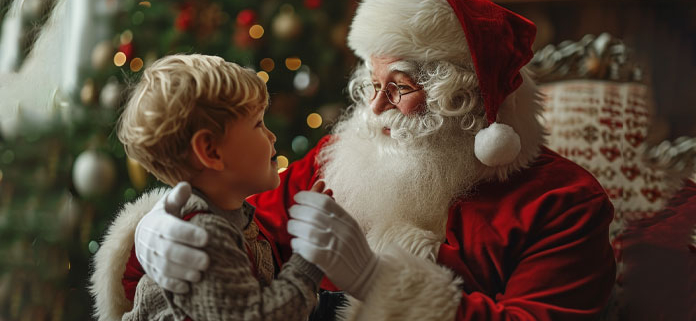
[271,136]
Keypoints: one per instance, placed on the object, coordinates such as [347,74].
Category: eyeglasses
[392,90]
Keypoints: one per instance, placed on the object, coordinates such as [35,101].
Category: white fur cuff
[408,288]
[110,261]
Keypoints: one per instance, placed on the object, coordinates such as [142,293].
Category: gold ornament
[137,174]
[89,92]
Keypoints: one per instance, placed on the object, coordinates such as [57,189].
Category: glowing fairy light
[263,75]
[136,64]
[267,64]
[282,162]
[314,120]
[256,31]
[119,59]
[293,63]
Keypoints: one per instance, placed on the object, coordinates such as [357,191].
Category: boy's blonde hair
[177,96]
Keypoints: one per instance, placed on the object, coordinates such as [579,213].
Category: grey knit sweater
[228,289]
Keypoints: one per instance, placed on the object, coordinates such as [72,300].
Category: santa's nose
[381,104]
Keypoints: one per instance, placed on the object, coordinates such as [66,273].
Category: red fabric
[271,207]
[131,277]
[526,248]
[530,249]
[500,42]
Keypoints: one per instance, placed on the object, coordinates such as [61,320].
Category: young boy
[199,119]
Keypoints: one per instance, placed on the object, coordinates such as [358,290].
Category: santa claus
[447,206]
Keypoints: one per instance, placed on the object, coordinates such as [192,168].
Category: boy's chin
[274,184]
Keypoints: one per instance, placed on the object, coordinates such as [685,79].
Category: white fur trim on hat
[497,145]
[408,29]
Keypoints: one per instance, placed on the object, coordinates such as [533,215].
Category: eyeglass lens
[392,91]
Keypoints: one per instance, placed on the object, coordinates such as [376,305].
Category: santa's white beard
[410,178]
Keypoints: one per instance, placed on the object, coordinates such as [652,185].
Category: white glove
[163,243]
[330,238]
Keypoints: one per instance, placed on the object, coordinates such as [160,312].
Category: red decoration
[241,37]
[312,4]
[127,49]
[184,21]
[246,18]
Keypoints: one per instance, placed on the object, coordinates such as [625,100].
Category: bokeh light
[300,144]
[93,246]
[126,37]
[119,59]
[263,75]
[293,63]
[256,31]
[282,162]
[138,18]
[136,64]
[267,64]
[314,120]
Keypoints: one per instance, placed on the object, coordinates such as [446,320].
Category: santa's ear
[205,151]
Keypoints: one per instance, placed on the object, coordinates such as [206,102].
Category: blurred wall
[661,32]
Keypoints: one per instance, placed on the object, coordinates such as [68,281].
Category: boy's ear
[205,150]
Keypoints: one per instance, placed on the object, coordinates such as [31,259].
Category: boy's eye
[260,123]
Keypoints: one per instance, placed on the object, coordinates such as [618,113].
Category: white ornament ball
[93,174]
[110,96]
[287,25]
[31,9]
[497,145]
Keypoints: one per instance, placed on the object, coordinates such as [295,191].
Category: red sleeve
[272,206]
[534,248]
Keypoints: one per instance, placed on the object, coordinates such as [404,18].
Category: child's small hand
[319,188]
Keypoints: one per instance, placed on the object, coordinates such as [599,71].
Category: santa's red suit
[525,249]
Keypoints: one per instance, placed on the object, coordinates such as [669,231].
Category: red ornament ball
[246,18]
[312,4]
[127,49]
[184,21]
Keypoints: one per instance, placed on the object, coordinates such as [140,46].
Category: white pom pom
[497,145]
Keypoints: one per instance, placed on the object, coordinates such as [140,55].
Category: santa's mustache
[403,128]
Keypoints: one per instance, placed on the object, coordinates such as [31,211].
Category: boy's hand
[319,188]
[166,246]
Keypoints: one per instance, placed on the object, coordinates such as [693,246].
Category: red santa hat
[475,33]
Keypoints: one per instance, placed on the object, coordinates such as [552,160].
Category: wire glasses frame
[392,91]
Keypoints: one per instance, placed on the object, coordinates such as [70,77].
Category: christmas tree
[62,179]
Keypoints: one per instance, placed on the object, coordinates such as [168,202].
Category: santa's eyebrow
[403,66]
